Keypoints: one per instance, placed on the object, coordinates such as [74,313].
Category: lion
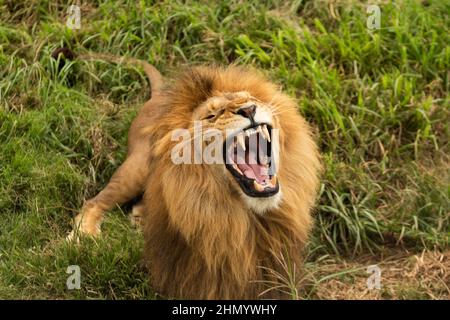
[231,230]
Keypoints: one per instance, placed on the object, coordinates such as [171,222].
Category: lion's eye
[209,117]
[214,115]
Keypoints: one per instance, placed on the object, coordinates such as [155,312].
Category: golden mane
[201,241]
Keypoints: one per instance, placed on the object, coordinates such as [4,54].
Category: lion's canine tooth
[241,141]
[266,132]
[264,160]
[257,186]
[273,181]
[259,130]
[237,169]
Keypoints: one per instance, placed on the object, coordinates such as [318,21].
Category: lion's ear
[194,86]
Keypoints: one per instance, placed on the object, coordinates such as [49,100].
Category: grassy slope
[379,101]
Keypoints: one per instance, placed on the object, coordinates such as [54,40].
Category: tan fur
[202,239]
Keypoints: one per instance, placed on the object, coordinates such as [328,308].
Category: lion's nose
[247,112]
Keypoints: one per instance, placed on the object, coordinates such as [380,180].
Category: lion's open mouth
[248,158]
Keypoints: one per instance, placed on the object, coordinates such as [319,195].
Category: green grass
[379,101]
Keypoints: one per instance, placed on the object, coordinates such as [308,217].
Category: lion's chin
[263,205]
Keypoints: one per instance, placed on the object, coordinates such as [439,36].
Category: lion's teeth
[257,186]
[264,160]
[241,141]
[237,169]
[259,130]
[273,181]
[266,133]
[250,132]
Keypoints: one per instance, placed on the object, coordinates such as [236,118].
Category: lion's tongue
[252,170]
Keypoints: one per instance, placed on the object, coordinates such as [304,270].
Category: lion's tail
[154,76]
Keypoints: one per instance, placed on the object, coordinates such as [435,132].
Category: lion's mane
[201,241]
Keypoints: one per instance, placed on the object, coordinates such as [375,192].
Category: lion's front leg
[126,183]
[88,221]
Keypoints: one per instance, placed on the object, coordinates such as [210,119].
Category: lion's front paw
[84,224]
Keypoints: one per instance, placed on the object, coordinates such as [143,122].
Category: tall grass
[378,100]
